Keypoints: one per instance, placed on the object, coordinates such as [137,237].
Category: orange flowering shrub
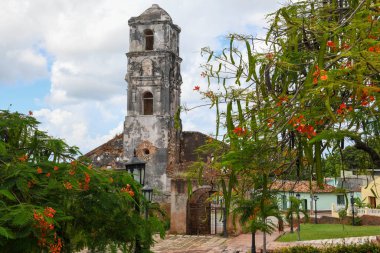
[56,207]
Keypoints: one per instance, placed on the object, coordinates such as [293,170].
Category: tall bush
[52,200]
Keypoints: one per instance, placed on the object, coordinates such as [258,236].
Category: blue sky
[65,59]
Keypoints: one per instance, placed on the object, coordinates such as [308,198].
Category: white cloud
[87,40]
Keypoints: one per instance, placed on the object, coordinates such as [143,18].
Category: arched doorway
[198,213]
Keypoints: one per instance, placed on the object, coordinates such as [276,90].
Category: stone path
[209,243]
[240,243]
[325,242]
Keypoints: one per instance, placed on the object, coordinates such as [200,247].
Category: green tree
[296,208]
[253,213]
[342,215]
[53,201]
[316,85]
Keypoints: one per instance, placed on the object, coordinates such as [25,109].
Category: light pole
[291,194]
[148,194]
[213,202]
[315,197]
[298,215]
[352,207]
[136,168]
[224,218]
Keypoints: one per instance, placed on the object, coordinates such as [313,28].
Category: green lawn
[328,231]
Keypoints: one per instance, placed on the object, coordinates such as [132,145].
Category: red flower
[240,131]
[196,87]
[48,174]
[371,49]
[372,98]
[346,46]
[330,43]
[72,172]
[56,168]
[39,170]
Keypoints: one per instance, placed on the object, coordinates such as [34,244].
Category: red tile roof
[301,186]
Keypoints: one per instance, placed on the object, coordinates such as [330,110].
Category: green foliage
[314,87]
[342,215]
[52,200]
[329,231]
[354,248]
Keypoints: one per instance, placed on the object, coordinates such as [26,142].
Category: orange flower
[240,131]
[49,212]
[324,77]
[346,46]
[131,193]
[74,163]
[68,185]
[372,98]
[269,56]
[23,158]
[89,167]
[72,172]
[87,178]
[48,174]
[56,168]
[39,170]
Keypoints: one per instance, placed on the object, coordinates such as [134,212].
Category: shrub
[53,201]
[349,248]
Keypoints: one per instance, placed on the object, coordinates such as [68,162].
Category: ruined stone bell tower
[154,87]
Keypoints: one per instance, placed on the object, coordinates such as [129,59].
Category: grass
[329,231]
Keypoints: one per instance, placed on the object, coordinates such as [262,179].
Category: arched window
[149,39]
[148,103]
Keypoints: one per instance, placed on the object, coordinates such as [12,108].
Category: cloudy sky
[65,59]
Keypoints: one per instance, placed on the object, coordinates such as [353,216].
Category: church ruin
[150,126]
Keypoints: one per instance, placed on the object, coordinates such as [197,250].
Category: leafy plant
[51,199]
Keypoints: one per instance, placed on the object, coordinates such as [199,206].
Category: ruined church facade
[154,87]
[151,126]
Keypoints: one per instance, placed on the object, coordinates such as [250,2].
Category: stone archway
[198,213]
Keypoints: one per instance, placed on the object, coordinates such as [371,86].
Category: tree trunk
[372,153]
[264,242]
[253,243]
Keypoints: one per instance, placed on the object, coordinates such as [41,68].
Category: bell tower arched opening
[149,39]
[148,103]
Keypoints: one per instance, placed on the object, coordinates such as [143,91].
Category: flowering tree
[52,202]
[316,85]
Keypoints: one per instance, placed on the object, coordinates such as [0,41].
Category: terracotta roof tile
[301,186]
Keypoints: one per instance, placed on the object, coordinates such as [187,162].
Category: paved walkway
[209,243]
[240,243]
